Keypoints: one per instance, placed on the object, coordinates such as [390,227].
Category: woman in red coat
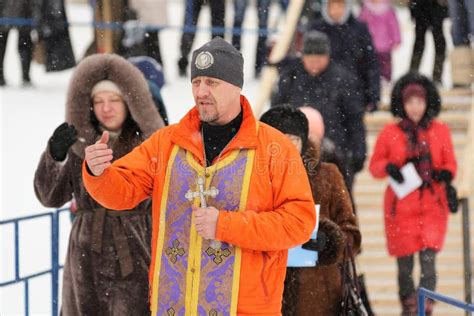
[416,223]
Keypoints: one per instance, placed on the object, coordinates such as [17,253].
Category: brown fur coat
[317,291]
[106,269]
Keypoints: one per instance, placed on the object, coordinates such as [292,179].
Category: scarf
[418,149]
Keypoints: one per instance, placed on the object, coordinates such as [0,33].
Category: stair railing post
[54,261]
[466,252]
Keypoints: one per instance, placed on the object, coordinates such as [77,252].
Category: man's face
[110,110]
[315,64]
[336,10]
[217,101]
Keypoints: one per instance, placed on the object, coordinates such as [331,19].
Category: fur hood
[433,100]
[311,157]
[135,94]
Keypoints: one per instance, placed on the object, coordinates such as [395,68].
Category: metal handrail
[55,266]
[148,27]
[424,293]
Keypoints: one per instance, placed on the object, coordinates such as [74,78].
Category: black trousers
[422,24]
[405,273]
[193,8]
[152,46]
[25,49]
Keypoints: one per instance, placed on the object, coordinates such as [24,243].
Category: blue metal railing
[148,27]
[55,265]
[424,293]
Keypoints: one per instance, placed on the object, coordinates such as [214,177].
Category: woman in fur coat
[416,223]
[317,290]
[106,269]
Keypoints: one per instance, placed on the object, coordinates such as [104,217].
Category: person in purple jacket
[382,22]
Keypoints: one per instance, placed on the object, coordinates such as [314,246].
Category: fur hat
[288,120]
[218,59]
[105,85]
[316,43]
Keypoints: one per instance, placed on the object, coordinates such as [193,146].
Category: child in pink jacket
[383,26]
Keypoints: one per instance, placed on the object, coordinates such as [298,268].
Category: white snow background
[29,116]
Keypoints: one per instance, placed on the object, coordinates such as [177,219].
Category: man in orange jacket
[230,196]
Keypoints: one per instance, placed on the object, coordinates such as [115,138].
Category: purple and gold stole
[191,277]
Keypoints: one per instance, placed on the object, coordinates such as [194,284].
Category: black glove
[63,138]
[371,107]
[317,244]
[394,172]
[452,197]
[443,175]
[358,164]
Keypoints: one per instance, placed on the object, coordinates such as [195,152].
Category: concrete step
[450,100]
[457,120]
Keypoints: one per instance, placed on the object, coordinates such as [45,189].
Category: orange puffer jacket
[278,214]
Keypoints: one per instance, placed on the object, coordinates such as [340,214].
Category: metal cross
[201,193]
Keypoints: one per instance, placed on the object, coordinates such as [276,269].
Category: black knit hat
[288,120]
[218,59]
[316,43]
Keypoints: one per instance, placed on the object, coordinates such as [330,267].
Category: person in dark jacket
[316,81]
[191,15]
[429,14]
[20,9]
[351,47]
[317,290]
[53,31]
[106,269]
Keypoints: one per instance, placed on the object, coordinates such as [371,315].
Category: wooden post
[103,14]
[278,52]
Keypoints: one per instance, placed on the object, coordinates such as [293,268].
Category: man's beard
[207,117]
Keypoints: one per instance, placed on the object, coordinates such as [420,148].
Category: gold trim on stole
[161,233]
[193,281]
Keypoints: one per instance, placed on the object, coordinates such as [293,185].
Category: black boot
[409,305]
[438,68]
[182,65]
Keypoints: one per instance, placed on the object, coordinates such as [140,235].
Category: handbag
[351,304]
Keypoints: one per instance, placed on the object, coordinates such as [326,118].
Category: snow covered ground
[28,117]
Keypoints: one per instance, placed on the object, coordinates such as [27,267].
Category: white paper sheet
[299,257]
[412,181]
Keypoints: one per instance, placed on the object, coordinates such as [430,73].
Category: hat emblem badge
[204,60]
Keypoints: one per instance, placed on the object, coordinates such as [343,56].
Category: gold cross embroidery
[171,311]
[218,254]
[174,252]
[212,312]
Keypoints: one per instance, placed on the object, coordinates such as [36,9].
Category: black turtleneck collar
[216,137]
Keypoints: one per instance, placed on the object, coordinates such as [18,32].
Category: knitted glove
[63,138]
[394,172]
[329,242]
[452,197]
[358,164]
[443,175]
